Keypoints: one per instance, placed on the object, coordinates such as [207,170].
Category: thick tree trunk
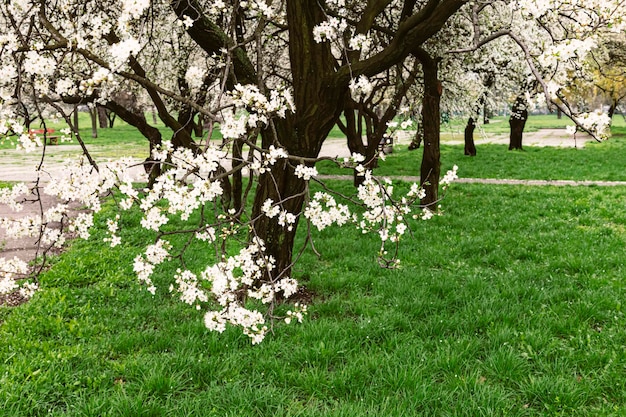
[318,105]
[431,121]
[517,121]
[279,239]
[470,148]
[517,130]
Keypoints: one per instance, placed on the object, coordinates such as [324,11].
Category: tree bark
[76,117]
[517,121]
[94,122]
[431,121]
[103,120]
[470,148]
[318,104]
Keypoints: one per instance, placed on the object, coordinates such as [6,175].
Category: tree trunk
[94,122]
[111,116]
[76,117]
[138,120]
[517,121]
[612,109]
[431,121]
[353,130]
[103,120]
[470,148]
[279,240]
[199,127]
[318,105]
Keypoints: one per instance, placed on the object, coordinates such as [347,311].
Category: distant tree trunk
[149,132]
[470,148]
[199,127]
[559,113]
[612,109]
[103,120]
[517,121]
[76,117]
[237,188]
[431,121]
[111,116]
[417,139]
[94,122]
[353,129]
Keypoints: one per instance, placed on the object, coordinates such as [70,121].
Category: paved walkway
[496,181]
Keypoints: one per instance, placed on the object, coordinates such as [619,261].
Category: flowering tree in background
[273,76]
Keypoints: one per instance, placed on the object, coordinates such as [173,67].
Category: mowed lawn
[510,304]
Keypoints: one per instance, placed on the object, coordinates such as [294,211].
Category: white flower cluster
[10,195]
[133,9]
[195,77]
[235,274]
[360,88]
[144,265]
[305,172]
[323,211]
[336,3]
[122,51]
[255,109]
[268,158]
[258,8]
[10,269]
[381,214]
[113,226]
[450,176]
[39,65]
[563,52]
[329,30]
[361,43]
[188,287]
[100,79]
[598,123]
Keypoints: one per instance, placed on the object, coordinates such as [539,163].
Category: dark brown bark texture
[431,122]
[470,147]
[517,121]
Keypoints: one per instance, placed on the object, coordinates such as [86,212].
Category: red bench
[52,140]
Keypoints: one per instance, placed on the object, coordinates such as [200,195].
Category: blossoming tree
[273,76]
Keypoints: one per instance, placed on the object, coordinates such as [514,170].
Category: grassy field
[511,304]
[596,161]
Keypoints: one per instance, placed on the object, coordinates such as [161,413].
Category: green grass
[511,304]
[603,161]
[513,309]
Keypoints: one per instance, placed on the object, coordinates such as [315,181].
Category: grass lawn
[604,161]
[511,304]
